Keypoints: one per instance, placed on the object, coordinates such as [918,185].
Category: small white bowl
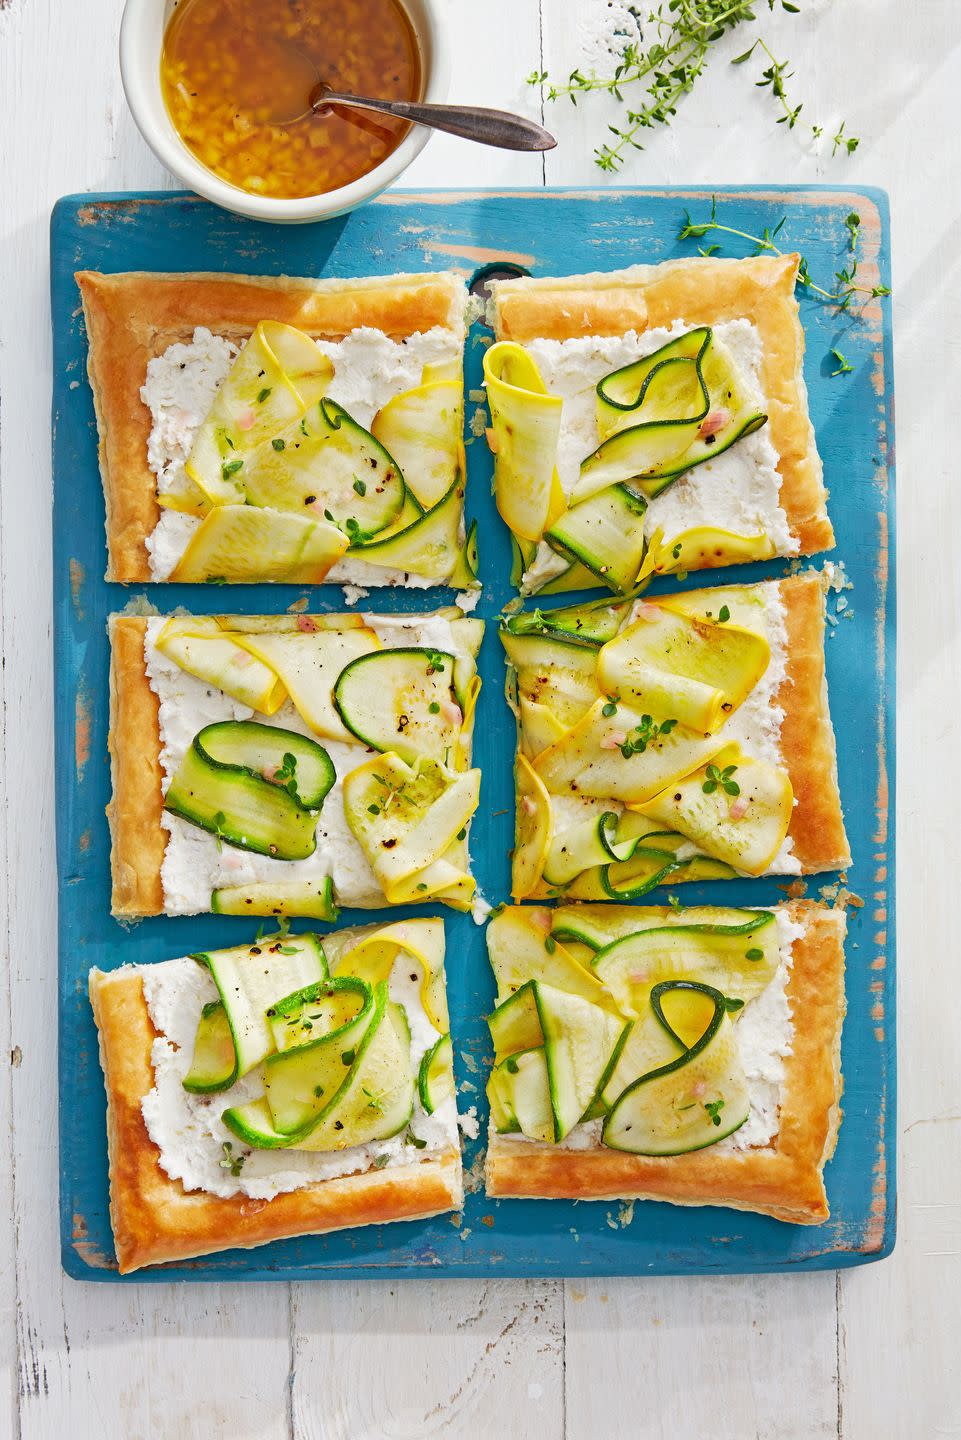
[141,40]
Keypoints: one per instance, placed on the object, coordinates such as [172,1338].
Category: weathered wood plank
[445,1358]
[490,46]
[93,1362]
[10,1058]
[728,1357]
[899,1321]
[159,1361]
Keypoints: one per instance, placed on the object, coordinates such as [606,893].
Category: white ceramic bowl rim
[141,36]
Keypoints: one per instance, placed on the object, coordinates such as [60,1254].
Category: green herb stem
[846,286]
[670,63]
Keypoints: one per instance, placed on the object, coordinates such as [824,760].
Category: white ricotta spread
[349,571]
[193,863]
[737,491]
[353,593]
[756,723]
[469,1123]
[179,390]
[480,909]
[765,1036]
[433,631]
[187,1128]
[369,370]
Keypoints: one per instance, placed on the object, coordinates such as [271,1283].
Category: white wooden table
[868,1355]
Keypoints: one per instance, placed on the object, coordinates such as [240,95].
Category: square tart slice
[234,448]
[686,737]
[289,1087]
[652,420]
[286,765]
[708,1055]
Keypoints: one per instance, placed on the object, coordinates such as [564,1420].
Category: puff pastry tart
[682,738]
[652,420]
[286,1087]
[288,764]
[256,428]
[683,1055]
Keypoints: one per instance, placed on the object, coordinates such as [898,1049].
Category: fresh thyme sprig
[643,735]
[846,286]
[774,77]
[233,1163]
[714,1108]
[667,62]
[286,775]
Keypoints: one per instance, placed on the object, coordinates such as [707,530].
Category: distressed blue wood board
[547,232]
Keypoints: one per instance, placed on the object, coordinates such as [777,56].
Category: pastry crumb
[480,909]
[353,593]
[469,1123]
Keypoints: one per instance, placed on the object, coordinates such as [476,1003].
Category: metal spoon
[472,122]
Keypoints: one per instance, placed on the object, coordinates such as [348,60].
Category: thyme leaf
[233,1163]
[714,1108]
[843,365]
[720,779]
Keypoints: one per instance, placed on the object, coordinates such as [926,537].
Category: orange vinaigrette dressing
[235,74]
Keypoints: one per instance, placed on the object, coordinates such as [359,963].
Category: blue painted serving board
[548,233]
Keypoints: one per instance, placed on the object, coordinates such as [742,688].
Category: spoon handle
[472,122]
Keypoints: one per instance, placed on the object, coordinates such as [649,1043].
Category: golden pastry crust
[155,1220]
[784,1180]
[133,317]
[699,291]
[137,838]
[807,736]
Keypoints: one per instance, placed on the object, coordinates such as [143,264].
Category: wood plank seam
[839,1331]
[291,1364]
[16,1317]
